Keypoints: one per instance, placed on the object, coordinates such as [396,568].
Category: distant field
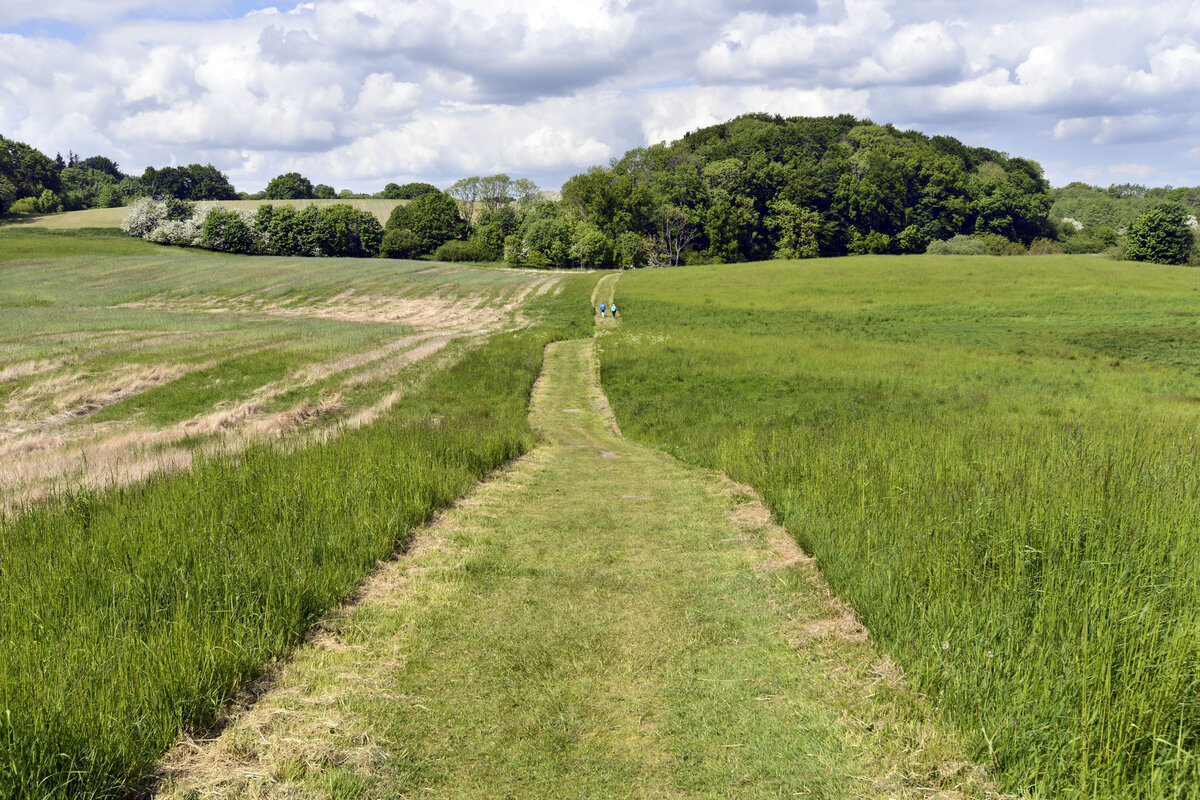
[997,461]
[111,217]
[113,366]
[219,448]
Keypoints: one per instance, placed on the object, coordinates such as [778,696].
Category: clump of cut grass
[995,466]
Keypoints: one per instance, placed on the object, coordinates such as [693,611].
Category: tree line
[32,182]
[755,187]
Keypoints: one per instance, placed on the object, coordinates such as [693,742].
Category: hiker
[602,307]
[614,310]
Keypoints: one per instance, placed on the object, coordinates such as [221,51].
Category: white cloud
[925,53]
[665,115]
[362,90]
[756,46]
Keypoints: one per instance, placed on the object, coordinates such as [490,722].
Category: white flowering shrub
[179,232]
[144,216]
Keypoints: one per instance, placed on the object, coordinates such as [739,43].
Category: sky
[358,93]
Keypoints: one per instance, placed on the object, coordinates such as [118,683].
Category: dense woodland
[759,187]
[754,188]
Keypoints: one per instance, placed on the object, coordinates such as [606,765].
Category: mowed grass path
[598,620]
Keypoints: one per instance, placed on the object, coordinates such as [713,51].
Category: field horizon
[112,217]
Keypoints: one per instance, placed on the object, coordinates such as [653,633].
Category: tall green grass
[997,464]
[129,615]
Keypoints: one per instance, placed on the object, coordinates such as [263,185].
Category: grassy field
[119,358]
[132,612]
[598,620]
[111,217]
[994,460]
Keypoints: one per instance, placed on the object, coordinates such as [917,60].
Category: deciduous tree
[433,217]
[289,186]
[1161,236]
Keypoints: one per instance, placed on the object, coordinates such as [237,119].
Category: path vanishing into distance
[596,620]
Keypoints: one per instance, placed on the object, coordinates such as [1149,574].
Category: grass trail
[995,461]
[599,620]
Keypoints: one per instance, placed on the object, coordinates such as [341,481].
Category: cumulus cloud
[364,91]
[757,47]
[914,54]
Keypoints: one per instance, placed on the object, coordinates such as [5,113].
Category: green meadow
[995,460]
[132,612]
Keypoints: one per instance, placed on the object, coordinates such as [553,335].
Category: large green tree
[408,191]
[432,217]
[289,186]
[1161,236]
[24,172]
[193,182]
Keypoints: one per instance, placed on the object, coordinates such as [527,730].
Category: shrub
[144,216]
[400,243]
[912,239]
[26,205]
[178,232]
[960,245]
[546,239]
[73,201]
[344,231]
[874,242]
[458,250]
[229,230]
[516,253]
[284,231]
[1092,239]
[1043,247]
[997,245]
[174,208]
[49,203]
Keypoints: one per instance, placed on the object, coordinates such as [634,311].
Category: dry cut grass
[361,348]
